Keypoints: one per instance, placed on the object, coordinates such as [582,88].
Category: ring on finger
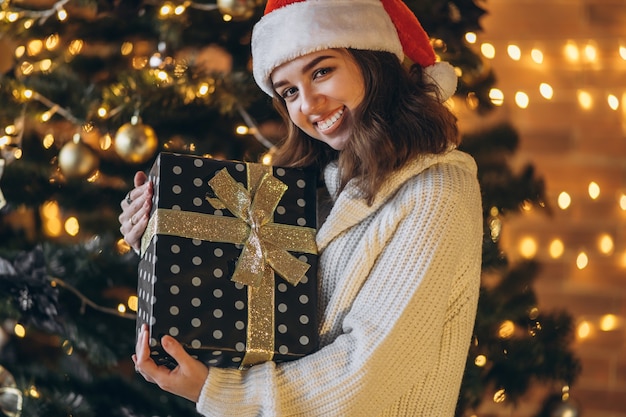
[128,199]
[132,220]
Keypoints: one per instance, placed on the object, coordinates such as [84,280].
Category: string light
[583,330]
[536,55]
[496,96]
[582,260]
[528,247]
[556,248]
[613,101]
[471,37]
[514,52]
[605,244]
[584,99]
[546,91]
[594,190]
[488,50]
[521,99]
[590,52]
[564,200]
[571,52]
[608,322]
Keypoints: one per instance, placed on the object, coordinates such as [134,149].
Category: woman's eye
[321,72]
[288,92]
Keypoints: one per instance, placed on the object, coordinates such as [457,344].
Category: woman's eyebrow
[305,69]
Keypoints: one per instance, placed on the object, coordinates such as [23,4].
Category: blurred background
[91,91]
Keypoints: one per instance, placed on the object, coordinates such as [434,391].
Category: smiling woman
[400,249]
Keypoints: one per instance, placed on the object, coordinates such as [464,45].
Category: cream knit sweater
[399,288]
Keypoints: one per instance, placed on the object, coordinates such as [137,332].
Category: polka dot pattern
[184,287]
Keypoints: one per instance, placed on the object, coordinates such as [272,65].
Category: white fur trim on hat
[314,25]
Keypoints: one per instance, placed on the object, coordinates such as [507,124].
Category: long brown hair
[399,119]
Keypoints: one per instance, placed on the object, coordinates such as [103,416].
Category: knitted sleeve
[403,334]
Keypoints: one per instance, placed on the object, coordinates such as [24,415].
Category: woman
[400,250]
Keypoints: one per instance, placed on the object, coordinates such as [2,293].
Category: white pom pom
[443,75]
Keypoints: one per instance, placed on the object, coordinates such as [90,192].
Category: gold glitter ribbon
[266,245]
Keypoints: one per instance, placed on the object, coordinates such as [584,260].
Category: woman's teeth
[326,124]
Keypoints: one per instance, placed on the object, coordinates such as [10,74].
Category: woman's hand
[136,208]
[186,380]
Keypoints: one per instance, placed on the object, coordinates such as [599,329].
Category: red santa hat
[293,28]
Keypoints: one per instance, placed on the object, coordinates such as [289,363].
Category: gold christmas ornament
[238,9]
[136,142]
[77,160]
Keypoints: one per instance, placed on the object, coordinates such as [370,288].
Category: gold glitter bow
[266,245]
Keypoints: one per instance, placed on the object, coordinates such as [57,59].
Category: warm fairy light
[622,202]
[45,65]
[590,52]
[121,308]
[203,89]
[166,9]
[71,226]
[133,302]
[19,330]
[102,112]
[20,51]
[488,50]
[267,159]
[496,96]
[622,52]
[605,244]
[613,101]
[75,46]
[594,190]
[180,9]
[10,130]
[546,91]
[571,52]
[537,56]
[608,322]
[242,130]
[521,99]
[499,396]
[226,17]
[27,94]
[582,260]
[34,47]
[61,14]
[162,75]
[28,23]
[33,392]
[126,48]
[4,140]
[585,100]
[471,37]
[564,200]
[48,140]
[556,248]
[583,330]
[528,247]
[480,361]
[506,330]
[52,41]
[12,17]
[514,52]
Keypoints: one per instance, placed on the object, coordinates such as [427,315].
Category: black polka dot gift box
[229,262]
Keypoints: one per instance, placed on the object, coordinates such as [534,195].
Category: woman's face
[321,91]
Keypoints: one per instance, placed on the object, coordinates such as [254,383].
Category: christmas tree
[90,92]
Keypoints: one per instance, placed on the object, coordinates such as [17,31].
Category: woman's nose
[311,101]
